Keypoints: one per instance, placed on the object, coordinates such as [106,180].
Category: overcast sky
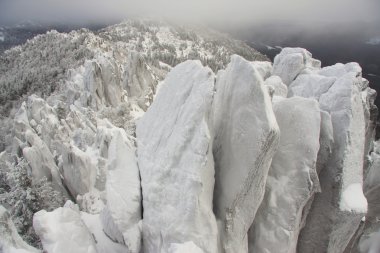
[215,11]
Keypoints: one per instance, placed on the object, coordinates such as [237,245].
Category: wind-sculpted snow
[280,89]
[176,162]
[292,178]
[246,137]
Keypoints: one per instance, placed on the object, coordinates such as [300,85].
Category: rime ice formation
[293,61]
[162,157]
[62,230]
[246,136]
[176,162]
[280,89]
[122,214]
[336,212]
[292,178]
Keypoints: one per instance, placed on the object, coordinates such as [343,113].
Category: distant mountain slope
[38,65]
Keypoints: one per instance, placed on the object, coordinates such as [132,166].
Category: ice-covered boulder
[122,214]
[176,162]
[102,82]
[103,243]
[79,171]
[337,211]
[367,236]
[246,136]
[10,240]
[41,161]
[280,89]
[63,230]
[310,85]
[292,178]
[264,68]
[293,61]
[139,80]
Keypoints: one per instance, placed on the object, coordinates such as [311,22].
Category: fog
[216,12]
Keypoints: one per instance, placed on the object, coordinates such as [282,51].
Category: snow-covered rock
[139,80]
[10,240]
[280,89]
[310,85]
[63,230]
[176,163]
[103,243]
[264,68]
[292,178]
[337,211]
[122,215]
[293,61]
[102,80]
[326,141]
[246,137]
[79,171]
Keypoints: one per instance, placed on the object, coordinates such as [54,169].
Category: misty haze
[214,126]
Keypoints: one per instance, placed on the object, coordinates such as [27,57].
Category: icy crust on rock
[293,61]
[122,215]
[334,216]
[280,89]
[367,240]
[103,243]
[10,240]
[292,178]
[176,162]
[246,136]
[62,230]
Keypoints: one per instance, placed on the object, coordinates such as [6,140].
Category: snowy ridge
[158,157]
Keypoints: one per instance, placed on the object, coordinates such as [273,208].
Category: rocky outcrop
[280,89]
[139,80]
[176,163]
[336,212]
[246,137]
[292,179]
[122,215]
[293,61]
[102,81]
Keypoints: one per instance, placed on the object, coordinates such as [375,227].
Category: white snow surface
[103,243]
[246,136]
[292,179]
[187,247]
[293,61]
[122,215]
[280,89]
[353,199]
[72,235]
[176,163]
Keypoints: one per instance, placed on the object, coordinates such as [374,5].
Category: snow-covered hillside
[146,137]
